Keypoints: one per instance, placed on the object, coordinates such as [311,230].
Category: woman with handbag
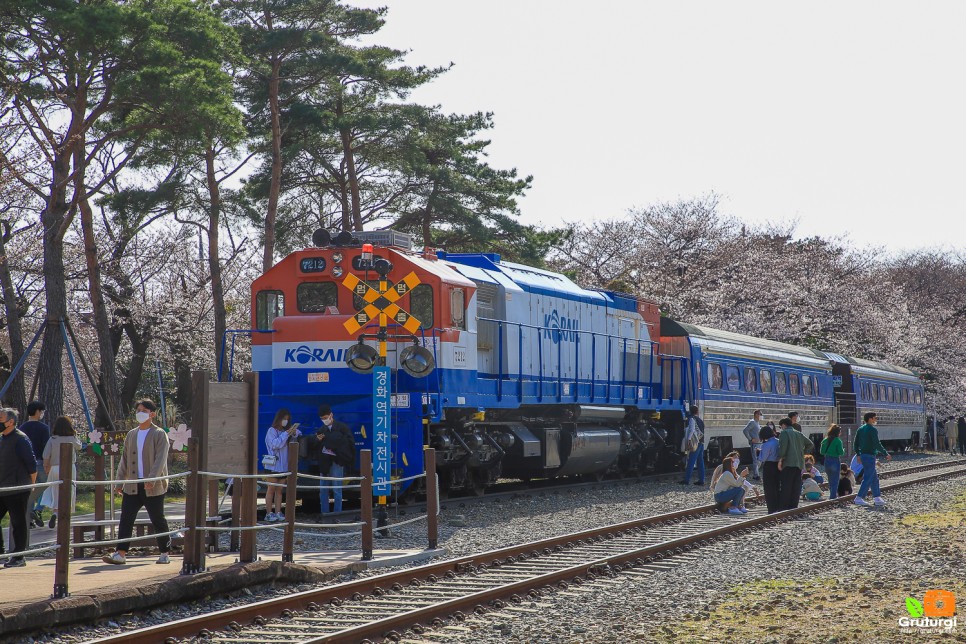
[63,432]
[277,438]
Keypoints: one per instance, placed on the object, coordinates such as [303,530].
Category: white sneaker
[114,558]
[879,501]
[860,501]
[164,558]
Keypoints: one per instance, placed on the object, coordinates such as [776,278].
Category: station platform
[99,589]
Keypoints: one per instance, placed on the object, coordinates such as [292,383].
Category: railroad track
[443,594]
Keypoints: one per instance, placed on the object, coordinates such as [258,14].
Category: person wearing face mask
[335,448]
[39,433]
[145,456]
[277,438]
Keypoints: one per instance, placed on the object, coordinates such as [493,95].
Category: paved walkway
[35,581]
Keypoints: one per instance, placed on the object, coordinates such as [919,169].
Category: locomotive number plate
[319,376]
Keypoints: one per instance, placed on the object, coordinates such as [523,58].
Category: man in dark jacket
[961,435]
[335,449]
[17,467]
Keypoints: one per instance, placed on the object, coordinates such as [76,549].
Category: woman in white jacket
[63,432]
[729,490]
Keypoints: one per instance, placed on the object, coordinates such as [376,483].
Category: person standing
[793,417]
[961,431]
[751,432]
[17,467]
[833,450]
[952,434]
[335,451]
[771,478]
[866,446]
[693,446]
[39,433]
[792,446]
[63,432]
[145,456]
[277,438]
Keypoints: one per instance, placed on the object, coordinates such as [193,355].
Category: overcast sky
[849,116]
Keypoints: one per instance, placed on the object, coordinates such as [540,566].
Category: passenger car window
[734,380]
[313,297]
[268,306]
[780,387]
[793,384]
[764,379]
[751,379]
[918,397]
[714,376]
[905,396]
[882,393]
[806,385]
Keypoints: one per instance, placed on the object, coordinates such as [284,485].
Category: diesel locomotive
[512,371]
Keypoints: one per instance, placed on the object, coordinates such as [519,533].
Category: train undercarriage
[472,452]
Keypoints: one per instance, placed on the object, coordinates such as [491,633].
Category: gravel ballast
[870,549]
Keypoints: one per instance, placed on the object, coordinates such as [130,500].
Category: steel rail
[259,612]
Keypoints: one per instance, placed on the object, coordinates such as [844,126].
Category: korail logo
[306,354]
[559,328]
[936,613]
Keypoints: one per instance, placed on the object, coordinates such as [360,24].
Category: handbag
[269,461]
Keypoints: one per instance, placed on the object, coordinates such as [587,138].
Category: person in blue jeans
[833,450]
[693,446]
[866,446]
[729,490]
[336,450]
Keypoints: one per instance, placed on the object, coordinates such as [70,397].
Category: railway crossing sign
[381,301]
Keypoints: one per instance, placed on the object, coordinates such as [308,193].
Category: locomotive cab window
[793,384]
[268,306]
[313,297]
[806,385]
[457,300]
[714,376]
[764,379]
[421,304]
[780,384]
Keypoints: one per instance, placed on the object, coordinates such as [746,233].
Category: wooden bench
[142,527]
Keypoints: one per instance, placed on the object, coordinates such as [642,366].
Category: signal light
[417,361]
[361,358]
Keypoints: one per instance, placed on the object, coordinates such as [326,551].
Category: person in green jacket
[792,445]
[866,447]
[833,450]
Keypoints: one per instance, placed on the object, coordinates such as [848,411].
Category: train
[521,373]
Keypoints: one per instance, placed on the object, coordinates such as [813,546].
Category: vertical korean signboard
[381,431]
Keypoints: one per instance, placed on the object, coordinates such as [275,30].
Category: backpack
[823,447]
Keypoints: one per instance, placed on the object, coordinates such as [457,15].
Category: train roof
[740,343]
[873,368]
[533,280]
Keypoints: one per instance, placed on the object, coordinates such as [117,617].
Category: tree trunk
[428,218]
[348,157]
[214,262]
[275,187]
[139,354]
[102,324]
[344,203]
[16,395]
[50,369]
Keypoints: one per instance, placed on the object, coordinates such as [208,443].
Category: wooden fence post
[212,514]
[249,515]
[64,498]
[365,468]
[194,496]
[432,497]
[236,497]
[288,544]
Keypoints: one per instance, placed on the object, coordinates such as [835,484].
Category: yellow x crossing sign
[377,302]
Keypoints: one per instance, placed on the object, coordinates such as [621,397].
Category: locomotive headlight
[336,271]
[336,257]
[361,358]
[417,361]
